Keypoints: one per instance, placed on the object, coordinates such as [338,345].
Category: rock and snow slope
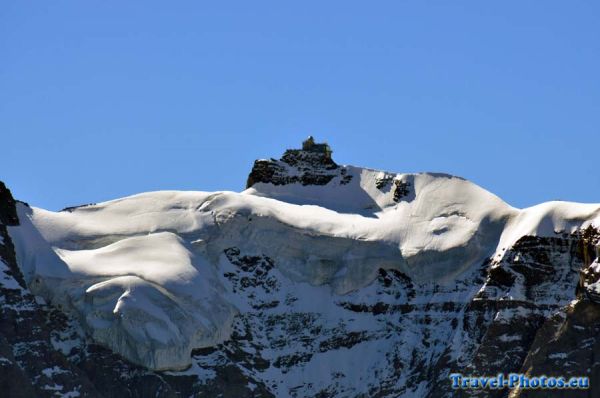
[317,279]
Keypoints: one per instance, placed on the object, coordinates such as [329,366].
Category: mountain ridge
[389,273]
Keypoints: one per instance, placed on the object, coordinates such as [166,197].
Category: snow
[147,297]
[557,355]
[549,219]
[594,287]
[506,338]
[595,266]
[144,273]
[50,372]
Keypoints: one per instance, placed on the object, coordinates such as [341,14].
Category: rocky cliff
[319,280]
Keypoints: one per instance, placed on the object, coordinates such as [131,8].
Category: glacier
[144,274]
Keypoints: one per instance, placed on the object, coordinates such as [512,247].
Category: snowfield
[144,274]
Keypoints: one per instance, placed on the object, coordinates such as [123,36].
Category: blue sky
[104,99]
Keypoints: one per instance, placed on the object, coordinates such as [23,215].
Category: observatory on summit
[310,145]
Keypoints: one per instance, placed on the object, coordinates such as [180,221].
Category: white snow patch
[50,372]
[557,355]
[142,272]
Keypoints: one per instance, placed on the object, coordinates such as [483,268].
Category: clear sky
[102,99]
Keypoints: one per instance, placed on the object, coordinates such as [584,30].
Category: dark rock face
[401,190]
[401,187]
[307,166]
[29,365]
[8,212]
[8,217]
[252,272]
[526,296]
[567,345]
[310,169]
[523,302]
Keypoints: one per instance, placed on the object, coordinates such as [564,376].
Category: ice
[142,273]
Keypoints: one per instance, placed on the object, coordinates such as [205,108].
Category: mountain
[318,280]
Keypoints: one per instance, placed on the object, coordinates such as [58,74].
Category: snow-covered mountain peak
[156,275]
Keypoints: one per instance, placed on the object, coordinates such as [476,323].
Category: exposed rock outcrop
[311,165]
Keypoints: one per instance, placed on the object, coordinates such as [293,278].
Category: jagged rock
[311,165]
[8,212]
[401,190]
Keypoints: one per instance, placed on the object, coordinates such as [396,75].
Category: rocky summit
[318,280]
